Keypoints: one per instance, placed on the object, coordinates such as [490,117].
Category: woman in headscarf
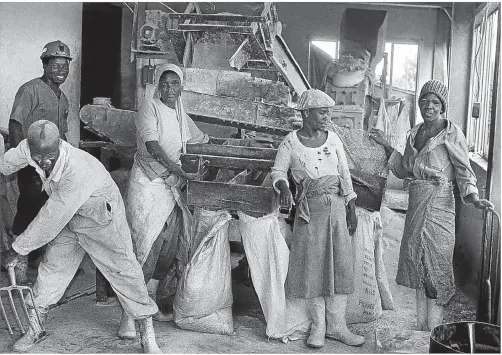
[156,213]
[320,261]
[435,158]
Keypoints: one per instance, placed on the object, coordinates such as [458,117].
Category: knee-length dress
[320,262]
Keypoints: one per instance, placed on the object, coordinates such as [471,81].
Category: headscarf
[180,111]
[437,88]
[314,98]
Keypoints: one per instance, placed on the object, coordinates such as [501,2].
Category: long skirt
[320,260]
[426,255]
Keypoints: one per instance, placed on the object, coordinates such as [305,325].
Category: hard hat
[314,98]
[56,49]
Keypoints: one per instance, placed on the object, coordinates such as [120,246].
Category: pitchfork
[8,291]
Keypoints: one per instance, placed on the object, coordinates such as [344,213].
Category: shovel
[23,291]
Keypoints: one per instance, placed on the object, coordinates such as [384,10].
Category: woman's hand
[351,217]
[479,203]
[285,195]
[198,175]
[379,137]
[483,204]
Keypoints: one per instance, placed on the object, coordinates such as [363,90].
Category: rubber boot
[147,337]
[434,314]
[34,334]
[127,329]
[152,286]
[336,328]
[421,310]
[317,312]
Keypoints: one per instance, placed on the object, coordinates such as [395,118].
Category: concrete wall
[470,220]
[24,29]
[460,63]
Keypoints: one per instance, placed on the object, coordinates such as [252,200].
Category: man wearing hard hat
[38,99]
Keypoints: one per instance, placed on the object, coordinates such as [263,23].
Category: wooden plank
[118,125]
[115,124]
[232,151]
[92,144]
[252,89]
[246,198]
[288,66]
[216,17]
[265,35]
[229,162]
[241,55]
[206,27]
[229,111]
[205,80]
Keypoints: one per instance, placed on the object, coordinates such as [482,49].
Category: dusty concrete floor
[83,327]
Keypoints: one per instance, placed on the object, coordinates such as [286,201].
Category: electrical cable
[167,7]
[129,7]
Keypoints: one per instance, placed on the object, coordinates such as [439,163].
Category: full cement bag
[268,258]
[203,301]
[364,305]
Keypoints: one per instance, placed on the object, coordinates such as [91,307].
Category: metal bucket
[465,337]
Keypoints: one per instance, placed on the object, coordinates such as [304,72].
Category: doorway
[101,45]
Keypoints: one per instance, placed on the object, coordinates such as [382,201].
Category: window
[402,62]
[329,47]
[402,59]
[483,72]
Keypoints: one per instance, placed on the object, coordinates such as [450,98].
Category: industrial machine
[239,73]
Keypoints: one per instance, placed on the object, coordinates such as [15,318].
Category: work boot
[35,333]
[152,286]
[421,310]
[127,329]
[434,314]
[317,312]
[336,328]
[147,337]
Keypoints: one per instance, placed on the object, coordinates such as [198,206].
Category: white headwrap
[180,111]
